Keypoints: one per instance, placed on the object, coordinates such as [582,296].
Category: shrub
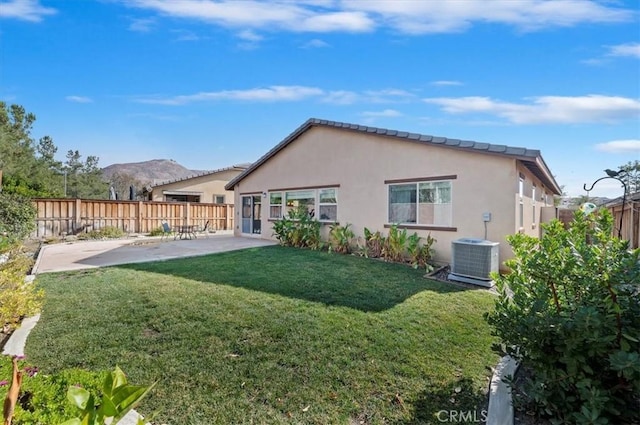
[17,297]
[17,217]
[373,243]
[298,229]
[54,399]
[108,232]
[158,231]
[340,238]
[395,245]
[43,397]
[420,255]
[570,312]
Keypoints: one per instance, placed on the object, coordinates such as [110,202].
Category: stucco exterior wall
[358,164]
[208,186]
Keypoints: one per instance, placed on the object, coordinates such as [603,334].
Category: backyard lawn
[273,335]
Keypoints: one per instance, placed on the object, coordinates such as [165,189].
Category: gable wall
[360,164]
[209,185]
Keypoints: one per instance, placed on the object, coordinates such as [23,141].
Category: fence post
[77,217]
[228,216]
[138,225]
[187,214]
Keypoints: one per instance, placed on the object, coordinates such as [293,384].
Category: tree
[122,182]
[30,169]
[84,179]
[630,174]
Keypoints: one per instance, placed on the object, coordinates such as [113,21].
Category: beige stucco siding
[207,186]
[361,163]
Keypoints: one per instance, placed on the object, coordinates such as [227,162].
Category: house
[206,187]
[626,221]
[373,177]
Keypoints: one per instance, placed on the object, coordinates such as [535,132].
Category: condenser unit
[473,261]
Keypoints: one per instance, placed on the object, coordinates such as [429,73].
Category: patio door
[251,214]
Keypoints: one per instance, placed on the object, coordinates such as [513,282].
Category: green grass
[273,335]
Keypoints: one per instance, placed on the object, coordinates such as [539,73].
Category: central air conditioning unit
[473,261]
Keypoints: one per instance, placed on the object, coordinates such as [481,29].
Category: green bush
[570,312]
[17,297]
[298,229]
[158,231]
[420,255]
[373,243]
[108,232]
[395,245]
[43,399]
[17,217]
[340,238]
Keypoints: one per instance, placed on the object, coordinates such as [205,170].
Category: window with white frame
[321,204]
[533,202]
[521,206]
[423,203]
[327,205]
[275,205]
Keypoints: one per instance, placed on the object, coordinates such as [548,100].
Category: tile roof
[239,167]
[531,158]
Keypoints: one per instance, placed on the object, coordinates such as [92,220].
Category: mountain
[150,172]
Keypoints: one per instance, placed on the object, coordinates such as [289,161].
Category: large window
[321,204]
[422,203]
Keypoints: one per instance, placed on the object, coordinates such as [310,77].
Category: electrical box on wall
[486,216]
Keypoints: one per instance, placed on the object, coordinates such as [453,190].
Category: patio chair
[166,231]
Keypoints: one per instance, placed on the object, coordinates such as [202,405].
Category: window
[321,204]
[218,199]
[275,205]
[425,203]
[301,198]
[521,206]
[533,201]
[327,205]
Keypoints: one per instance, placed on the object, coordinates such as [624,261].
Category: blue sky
[214,83]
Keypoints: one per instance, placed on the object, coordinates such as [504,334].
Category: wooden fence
[630,221]
[60,217]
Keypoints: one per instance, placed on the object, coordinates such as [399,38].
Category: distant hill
[151,172]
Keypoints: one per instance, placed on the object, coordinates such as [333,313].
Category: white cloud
[249,35]
[387,113]
[620,146]
[79,99]
[446,83]
[315,44]
[627,49]
[283,15]
[342,97]
[141,24]
[25,10]
[406,16]
[546,109]
[268,94]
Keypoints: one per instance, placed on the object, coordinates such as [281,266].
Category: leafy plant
[17,297]
[158,231]
[118,398]
[107,232]
[17,217]
[42,397]
[340,238]
[395,245]
[420,255]
[570,312]
[373,243]
[298,229]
